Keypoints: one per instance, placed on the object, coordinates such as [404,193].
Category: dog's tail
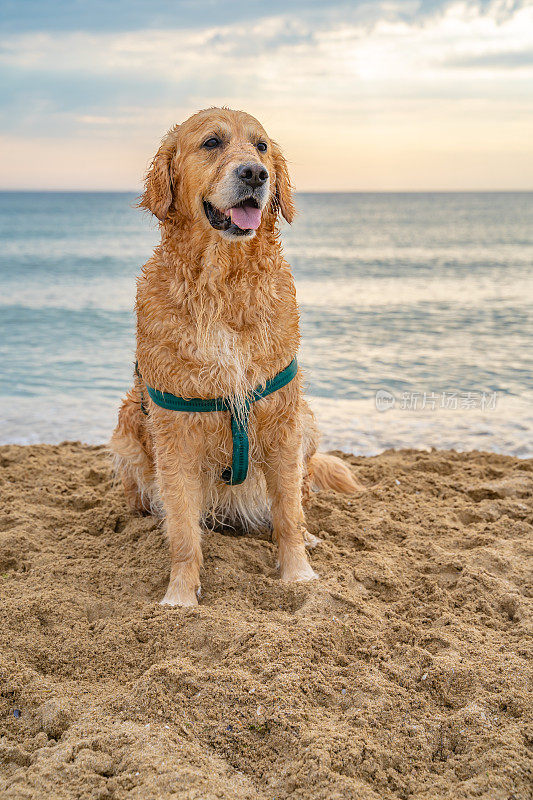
[329,472]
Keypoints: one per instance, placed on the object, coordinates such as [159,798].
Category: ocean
[415,314]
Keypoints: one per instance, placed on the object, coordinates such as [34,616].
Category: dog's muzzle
[242,214]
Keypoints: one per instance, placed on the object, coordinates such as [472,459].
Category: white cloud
[278,48]
[396,91]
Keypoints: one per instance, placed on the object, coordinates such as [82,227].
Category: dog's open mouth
[243,217]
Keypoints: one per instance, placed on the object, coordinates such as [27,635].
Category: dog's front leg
[181,491]
[283,473]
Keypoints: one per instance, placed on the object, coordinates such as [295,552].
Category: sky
[411,95]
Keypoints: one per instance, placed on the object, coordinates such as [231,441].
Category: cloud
[98,16]
[511,59]
[376,76]
[277,49]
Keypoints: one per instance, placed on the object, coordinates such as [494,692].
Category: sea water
[415,315]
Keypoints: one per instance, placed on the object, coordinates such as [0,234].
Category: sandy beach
[402,673]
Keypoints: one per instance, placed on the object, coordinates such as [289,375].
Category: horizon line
[296,191]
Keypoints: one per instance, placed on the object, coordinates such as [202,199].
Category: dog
[217,317]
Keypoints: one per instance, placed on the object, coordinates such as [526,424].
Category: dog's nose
[252,174]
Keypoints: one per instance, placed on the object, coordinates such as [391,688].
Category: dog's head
[220,170]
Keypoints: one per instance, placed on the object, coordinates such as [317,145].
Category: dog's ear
[282,188]
[158,184]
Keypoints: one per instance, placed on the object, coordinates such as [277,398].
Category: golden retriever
[217,317]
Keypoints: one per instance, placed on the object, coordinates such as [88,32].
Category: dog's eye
[211,143]
[262,147]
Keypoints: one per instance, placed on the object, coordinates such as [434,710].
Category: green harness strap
[240,413]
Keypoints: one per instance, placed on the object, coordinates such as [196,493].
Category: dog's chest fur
[225,354]
[214,333]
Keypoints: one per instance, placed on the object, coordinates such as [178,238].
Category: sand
[402,673]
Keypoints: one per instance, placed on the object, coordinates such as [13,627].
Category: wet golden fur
[217,318]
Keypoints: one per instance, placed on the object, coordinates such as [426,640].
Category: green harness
[240,412]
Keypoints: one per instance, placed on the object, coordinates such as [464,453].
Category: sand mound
[402,673]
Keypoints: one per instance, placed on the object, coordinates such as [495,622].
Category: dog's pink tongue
[246,217]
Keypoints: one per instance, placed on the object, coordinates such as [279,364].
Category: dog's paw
[300,577]
[296,573]
[179,600]
[179,595]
